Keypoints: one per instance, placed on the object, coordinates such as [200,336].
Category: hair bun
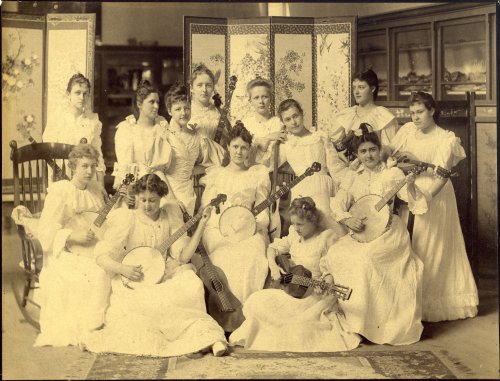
[306,203]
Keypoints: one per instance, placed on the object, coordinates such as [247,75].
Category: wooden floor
[469,348]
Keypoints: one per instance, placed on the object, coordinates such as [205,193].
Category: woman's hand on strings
[276,271]
[127,196]
[277,136]
[207,212]
[133,273]
[354,223]
[82,237]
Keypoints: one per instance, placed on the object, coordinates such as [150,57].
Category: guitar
[375,212]
[237,222]
[154,262]
[298,279]
[58,173]
[275,218]
[223,120]
[82,221]
[406,162]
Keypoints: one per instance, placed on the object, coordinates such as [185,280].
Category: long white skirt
[166,319]
[275,321]
[386,280]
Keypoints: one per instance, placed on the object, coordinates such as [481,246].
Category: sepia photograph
[249,190]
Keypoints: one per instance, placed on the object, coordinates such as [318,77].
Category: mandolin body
[376,222]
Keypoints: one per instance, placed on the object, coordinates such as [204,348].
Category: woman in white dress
[265,128]
[141,139]
[69,278]
[449,291]
[188,148]
[385,274]
[301,149]
[164,319]
[276,321]
[365,89]
[204,115]
[244,263]
[75,120]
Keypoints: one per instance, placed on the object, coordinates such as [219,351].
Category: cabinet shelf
[463,44]
[414,49]
[372,52]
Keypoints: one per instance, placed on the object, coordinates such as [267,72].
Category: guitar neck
[340,291]
[180,232]
[223,121]
[278,194]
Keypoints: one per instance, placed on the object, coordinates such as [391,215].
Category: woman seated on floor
[69,278]
[276,321]
[385,274]
[164,319]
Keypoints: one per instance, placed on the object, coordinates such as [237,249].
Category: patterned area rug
[261,365]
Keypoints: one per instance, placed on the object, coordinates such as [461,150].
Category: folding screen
[39,55]
[307,59]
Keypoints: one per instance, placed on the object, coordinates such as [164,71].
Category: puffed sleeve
[385,123]
[55,214]
[124,149]
[450,151]
[97,142]
[338,167]
[120,224]
[342,201]
[399,141]
[162,150]
[418,205]
[342,123]
[283,245]
[209,181]
[211,153]
[263,188]
[175,222]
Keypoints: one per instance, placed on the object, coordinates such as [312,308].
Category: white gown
[259,130]
[165,319]
[449,291]
[187,149]
[67,279]
[275,321]
[385,274]
[63,127]
[206,119]
[244,263]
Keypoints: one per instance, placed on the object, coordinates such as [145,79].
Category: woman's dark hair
[427,100]
[259,82]
[177,93]
[151,183]
[366,137]
[80,151]
[305,207]
[201,69]
[370,77]
[240,131]
[143,90]
[287,104]
[77,78]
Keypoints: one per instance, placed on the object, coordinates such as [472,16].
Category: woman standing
[188,148]
[141,140]
[449,291]
[384,273]
[204,115]
[244,263]
[75,120]
[69,278]
[265,129]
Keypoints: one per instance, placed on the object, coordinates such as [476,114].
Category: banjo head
[376,222]
[153,266]
[237,223]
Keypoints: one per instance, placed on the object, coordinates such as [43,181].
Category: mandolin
[94,220]
[406,162]
[237,222]
[154,262]
[224,111]
[298,279]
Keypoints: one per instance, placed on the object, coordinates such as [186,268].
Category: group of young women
[396,282]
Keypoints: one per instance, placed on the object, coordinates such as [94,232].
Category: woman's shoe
[219,348]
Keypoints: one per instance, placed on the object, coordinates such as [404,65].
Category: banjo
[154,262]
[95,221]
[237,222]
[375,211]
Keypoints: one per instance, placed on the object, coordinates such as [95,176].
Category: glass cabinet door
[372,54]
[464,59]
[413,66]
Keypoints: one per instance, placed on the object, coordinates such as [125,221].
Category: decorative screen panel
[307,59]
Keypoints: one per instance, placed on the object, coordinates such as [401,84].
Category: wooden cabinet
[445,50]
[118,71]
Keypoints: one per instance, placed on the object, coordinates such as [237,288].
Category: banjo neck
[278,194]
[390,194]
[180,232]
